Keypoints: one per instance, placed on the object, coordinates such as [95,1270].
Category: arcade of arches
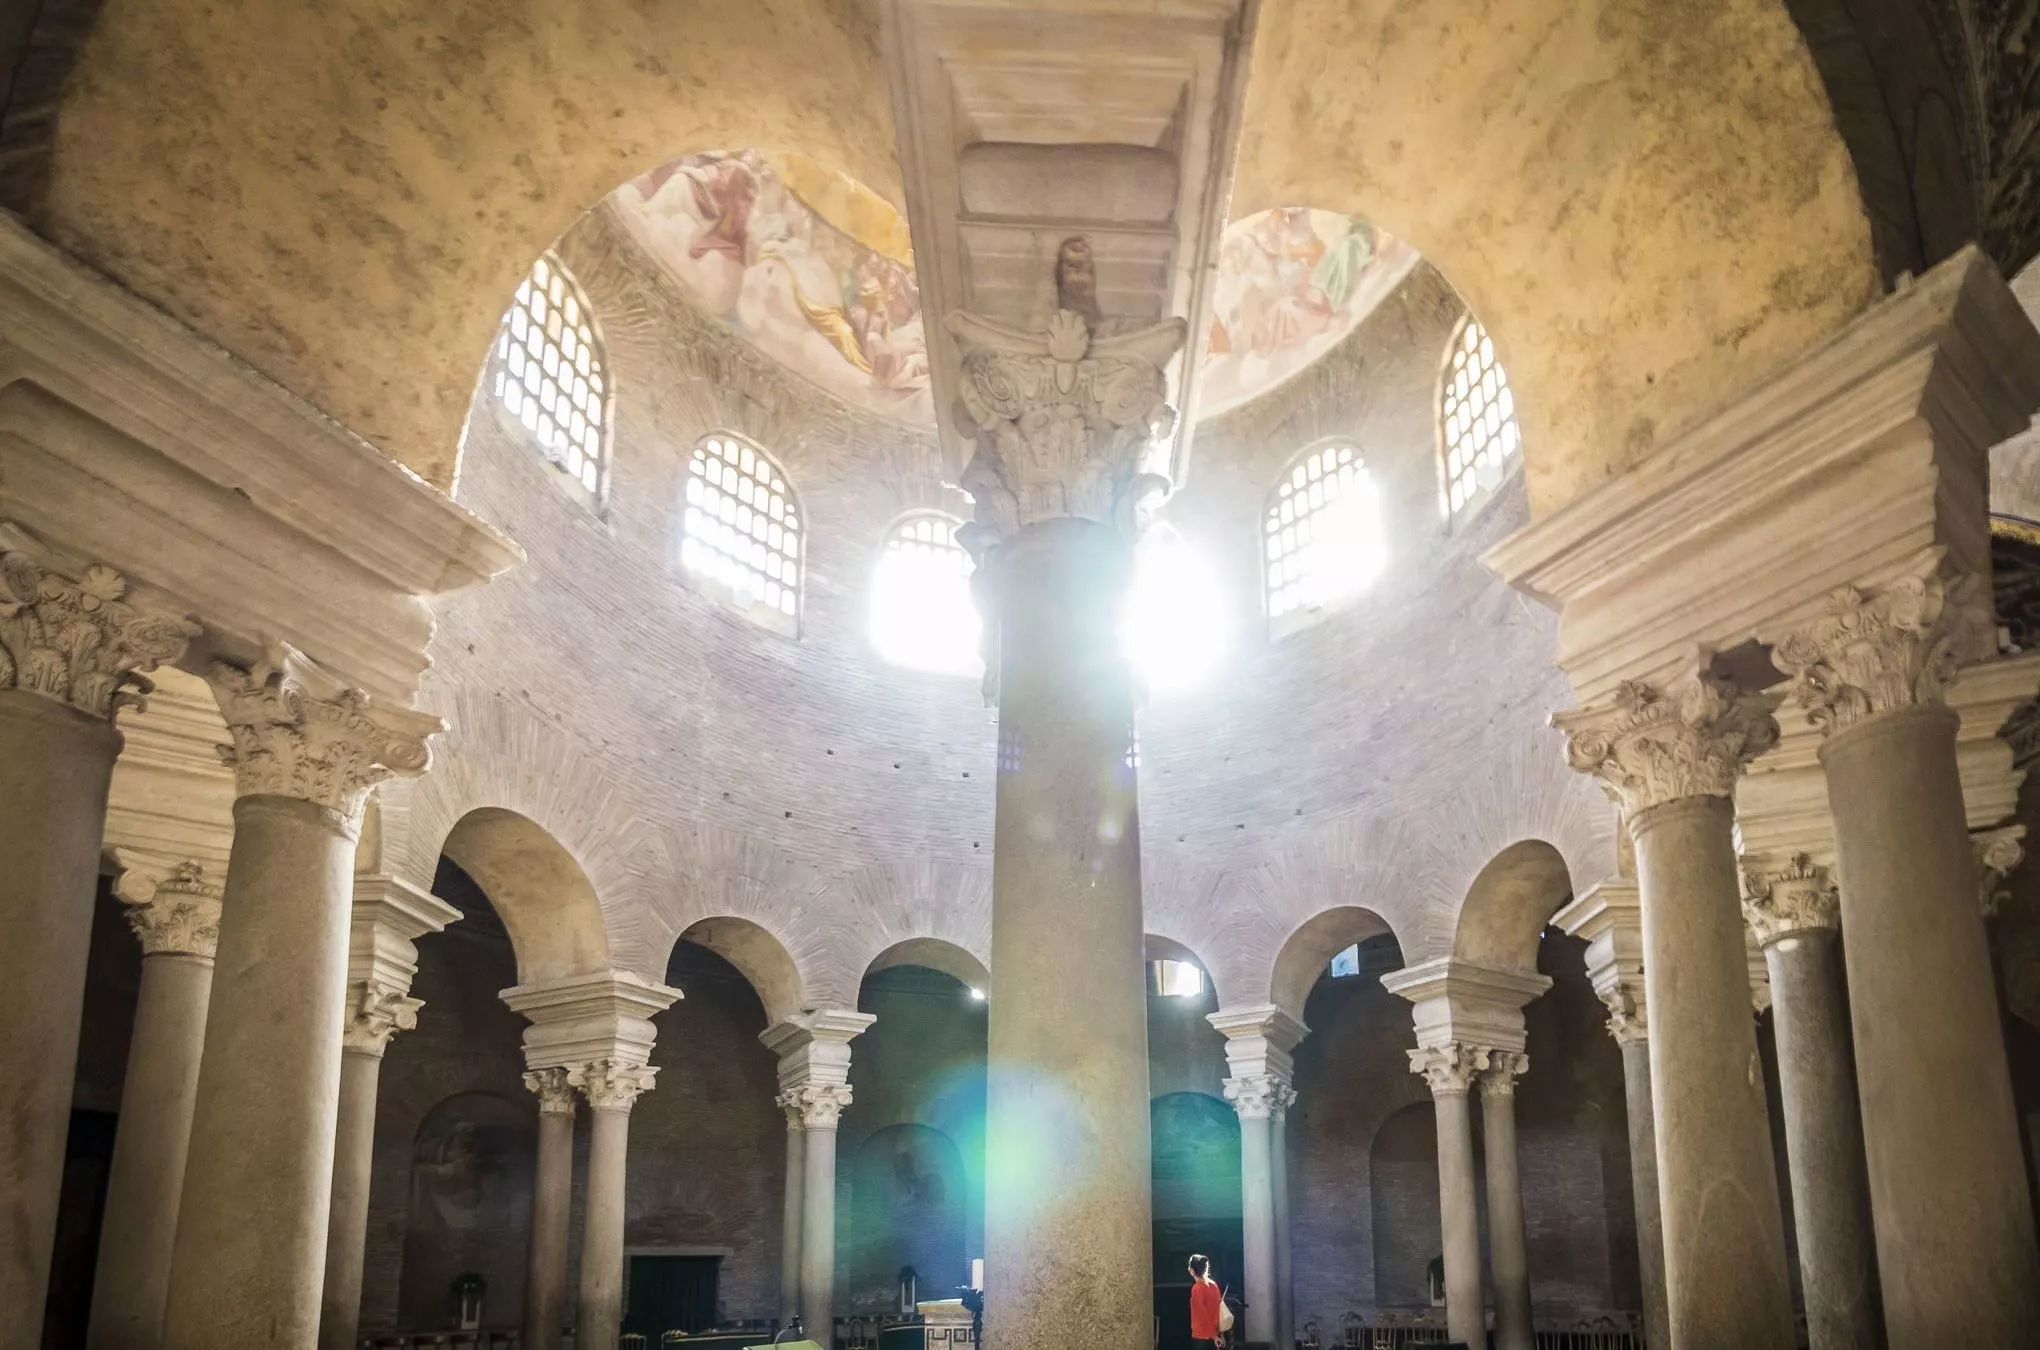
[740,671]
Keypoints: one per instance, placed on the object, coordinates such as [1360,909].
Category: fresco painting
[817,272]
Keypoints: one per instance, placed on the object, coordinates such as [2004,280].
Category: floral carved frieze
[299,731]
[79,640]
[1897,646]
[1650,746]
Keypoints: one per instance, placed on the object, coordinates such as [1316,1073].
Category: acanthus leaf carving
[554,1089]
[1450,1069]
[299,731]
[1504,1067]
[1998,852]
[1628,1020]
[612,1084]
[816,1106]
[1797,898]
[1258,1096]
[79,640]
[1898,646]
[376,1011]
[1650,747]
[180,915]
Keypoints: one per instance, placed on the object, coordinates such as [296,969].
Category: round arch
[1310,947]
[539,890]
[1509,903]
[932,953]
[758,955]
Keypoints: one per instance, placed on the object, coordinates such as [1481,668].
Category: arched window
[1476,419]
[1321,535]
[740,538]
[921,611]
[550,375]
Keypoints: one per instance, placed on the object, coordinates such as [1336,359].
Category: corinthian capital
[180,915]
[1504,1067]
[612,1084]
[819,1105]
[1450,1069]
[299,731]
[376,1011]
[1628,1022]
[1063,416]
[1258,1096]
[1799,897]
[554,1089]
[1895,647]
[77,639]
[1998,851]
[1651,747]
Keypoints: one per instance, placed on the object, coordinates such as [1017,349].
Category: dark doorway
[88,1157]
[670,1293]
[1196,1197]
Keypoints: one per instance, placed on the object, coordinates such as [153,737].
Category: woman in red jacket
[1205,1301]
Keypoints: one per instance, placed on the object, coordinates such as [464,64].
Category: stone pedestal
[1793,913]
[250,1254]
[1957,1260]
[178,924]
[1610,917]
[388,915]
[611,1088]
[552,1198]
[1508,1253]
[1674,758]
[69,649]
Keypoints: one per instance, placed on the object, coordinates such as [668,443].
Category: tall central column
[1673,758]
[250,1254]
[1957,1261]
[70,647]
[1062,420]
[1793,913]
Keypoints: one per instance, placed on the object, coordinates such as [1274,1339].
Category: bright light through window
[740,537]
[1175,979]
[549,374]
[921,611]
[1175,629]
[1477,419]
[1322,533]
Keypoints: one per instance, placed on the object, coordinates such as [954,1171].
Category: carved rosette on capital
[78,641]
[1259,1096]
[1628,1023]
[376,1011]
[1650,747]
[554,1089]
[819,1105]
[1998,851]
[612,1084]
[299,731]
[1504,1067]
[1898,646]
[1449,1069]
[178,915]
[1799,897]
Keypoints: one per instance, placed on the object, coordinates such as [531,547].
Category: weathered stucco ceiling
[348,199]
[1648,205]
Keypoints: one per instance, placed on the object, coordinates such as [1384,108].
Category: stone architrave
[1956,1249]
[1063,420]
[1259,1084]
[813,1049]
[1672,758]
[74,649]
[252,1236]
[1609,916]
[389,915]
[176,918]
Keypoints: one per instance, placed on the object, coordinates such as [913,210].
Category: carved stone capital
[1998,851]
[820,1105]
[179,916]
[1898,646]
[611,1084]
[1062,419]
[1504,1067]
[1450,1069]
[376,1011]
[1650,747]
[299,731]
[1259,1096]
[1628,1022]
[554,1089]
[1796,898]
[77,639]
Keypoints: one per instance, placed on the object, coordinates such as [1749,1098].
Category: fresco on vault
[811,267]
[1291,283]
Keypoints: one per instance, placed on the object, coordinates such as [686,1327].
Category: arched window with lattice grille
[1478,438]
[1321,536]
[550,375]
[742,532]
[922,615]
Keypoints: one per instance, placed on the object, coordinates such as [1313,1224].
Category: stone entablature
[813,1049]
[583,1019]
[1464,1016]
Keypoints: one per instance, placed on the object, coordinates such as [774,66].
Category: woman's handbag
[1225,1317]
